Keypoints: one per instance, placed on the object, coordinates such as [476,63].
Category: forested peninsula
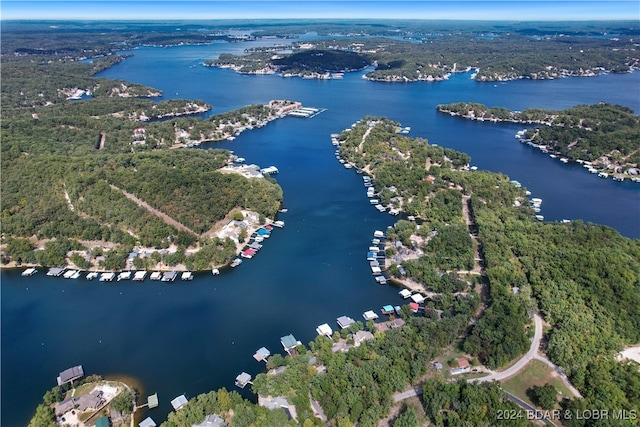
[495,56]
[604,137]
[86,181]
[477,241]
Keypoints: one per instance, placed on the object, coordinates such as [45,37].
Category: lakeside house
[213,420]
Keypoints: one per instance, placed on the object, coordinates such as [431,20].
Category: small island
[604,138]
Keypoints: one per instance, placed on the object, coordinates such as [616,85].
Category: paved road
[520,364]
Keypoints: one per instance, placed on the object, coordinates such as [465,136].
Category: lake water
[191,337]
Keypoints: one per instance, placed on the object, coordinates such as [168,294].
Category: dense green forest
[82,178]
[606,135]
[504,56]
[582,277]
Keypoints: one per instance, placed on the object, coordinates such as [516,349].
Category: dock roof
[70,374]
[345,322]
[417,298]
[289,341]
[179,402]
[324,329]
[147,422]
[262,354]
[243,378]
[152,401]
[369,315]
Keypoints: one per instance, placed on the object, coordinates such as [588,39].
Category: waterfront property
[211,421]
[68,375]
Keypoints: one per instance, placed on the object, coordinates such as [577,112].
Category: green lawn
[534,373]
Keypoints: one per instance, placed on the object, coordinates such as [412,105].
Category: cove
[191,337]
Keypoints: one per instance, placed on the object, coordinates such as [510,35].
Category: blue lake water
[191,337]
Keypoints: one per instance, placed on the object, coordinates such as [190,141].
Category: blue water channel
[191,337]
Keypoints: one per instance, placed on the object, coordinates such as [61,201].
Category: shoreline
[180,268]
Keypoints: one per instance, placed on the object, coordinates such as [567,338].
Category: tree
[543,396]
[123,402]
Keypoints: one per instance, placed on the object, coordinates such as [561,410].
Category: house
[463,366]
[92,400]
[211,421]
[278,402]
[70,374]
[361,336]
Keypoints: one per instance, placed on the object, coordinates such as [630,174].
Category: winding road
[510,371]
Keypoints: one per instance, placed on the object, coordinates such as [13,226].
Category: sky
[518,10]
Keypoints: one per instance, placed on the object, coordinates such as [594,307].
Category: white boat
[125,275]
[236,262]
[156,275]
[92,275]
[215,271]
[279,224]
[539,217]
[67,274]
[186,275]
[378,234]
[76,274]
[564,160]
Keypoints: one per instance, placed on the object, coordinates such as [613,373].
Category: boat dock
[139,276]
[55,271]
[325,330]
[306,112]
[243,379]
[169,276]
[262,354]
[29,272]
[187,275]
